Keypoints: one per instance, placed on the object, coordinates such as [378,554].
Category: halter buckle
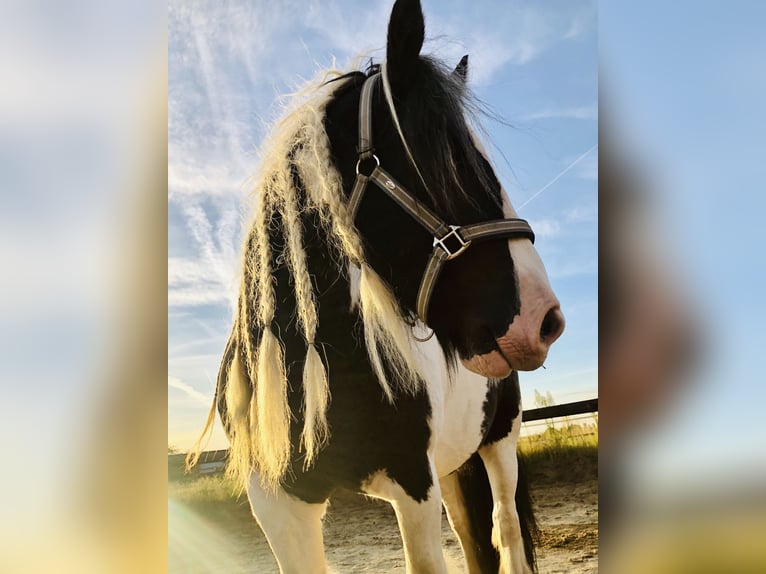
[461,244]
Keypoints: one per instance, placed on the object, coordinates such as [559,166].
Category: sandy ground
[361,535]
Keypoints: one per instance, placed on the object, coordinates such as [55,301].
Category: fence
[578,408]
[537,420]
[557,411]
[210,461]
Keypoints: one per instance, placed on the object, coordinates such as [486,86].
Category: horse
[389,295]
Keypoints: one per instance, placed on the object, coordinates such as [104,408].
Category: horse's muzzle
[524,346]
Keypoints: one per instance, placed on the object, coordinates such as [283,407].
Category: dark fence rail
[176,461]
[557,411]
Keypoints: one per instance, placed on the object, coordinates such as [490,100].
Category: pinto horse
[389,294]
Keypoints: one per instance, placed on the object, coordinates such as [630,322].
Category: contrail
[177,383]
[555,179]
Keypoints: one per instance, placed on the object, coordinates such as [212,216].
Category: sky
[689,108]
[534,64]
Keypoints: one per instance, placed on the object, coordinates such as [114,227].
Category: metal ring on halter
[419,340]
[359,161]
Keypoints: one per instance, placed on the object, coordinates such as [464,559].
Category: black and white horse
[330,379]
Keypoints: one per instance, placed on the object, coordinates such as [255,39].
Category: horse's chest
[460,420]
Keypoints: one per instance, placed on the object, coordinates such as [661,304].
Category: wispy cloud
[331,20]
[571,266]
[582,21]
[207,276]
[589,112]
[216,341]
[188,390]
[186,177]
[545,227]
[582,214]
[190,284]
[501,34]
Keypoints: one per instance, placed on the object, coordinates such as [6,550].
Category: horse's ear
[460,73]
[406,32]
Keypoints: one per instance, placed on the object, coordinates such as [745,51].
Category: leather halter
[450,241]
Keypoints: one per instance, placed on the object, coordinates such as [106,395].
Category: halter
[450,241]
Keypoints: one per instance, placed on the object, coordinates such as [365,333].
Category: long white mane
[256,394]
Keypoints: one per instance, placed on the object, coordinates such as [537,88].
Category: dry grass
[203,491]
[565,454]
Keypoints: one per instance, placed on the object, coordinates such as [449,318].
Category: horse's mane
[256,397]
[257,390]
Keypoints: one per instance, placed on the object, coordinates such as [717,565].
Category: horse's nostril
[553,325]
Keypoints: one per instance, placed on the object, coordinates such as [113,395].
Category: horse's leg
[468,499]
[419,523]
[502,468]
[459,519]
[292,527]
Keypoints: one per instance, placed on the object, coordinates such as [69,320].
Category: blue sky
[689,105]
[533,63]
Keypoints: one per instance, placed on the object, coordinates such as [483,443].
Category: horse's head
[492,305]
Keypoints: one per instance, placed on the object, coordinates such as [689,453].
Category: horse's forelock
[435,119]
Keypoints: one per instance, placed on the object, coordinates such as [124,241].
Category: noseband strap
[450,241]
